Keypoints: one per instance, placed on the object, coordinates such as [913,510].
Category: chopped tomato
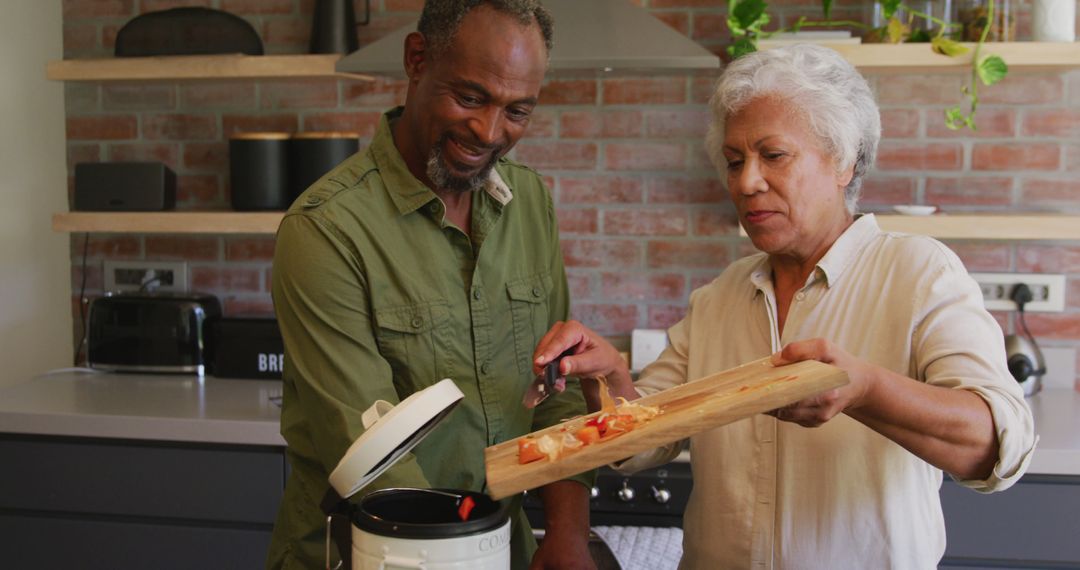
[588,434]
[614,425]
[528,451]
[465,508]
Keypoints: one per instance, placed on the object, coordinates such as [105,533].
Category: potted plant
[747,19]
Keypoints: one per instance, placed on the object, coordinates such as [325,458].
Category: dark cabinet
[103,503]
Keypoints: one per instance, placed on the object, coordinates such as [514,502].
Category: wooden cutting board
[685,410]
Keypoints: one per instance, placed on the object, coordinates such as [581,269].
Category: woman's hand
[818,409]
[590,356]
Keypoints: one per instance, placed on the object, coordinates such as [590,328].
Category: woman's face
[789,197]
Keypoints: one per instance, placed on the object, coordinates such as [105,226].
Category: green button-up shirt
[379,296]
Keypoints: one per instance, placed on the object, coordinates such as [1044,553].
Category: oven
[654,497]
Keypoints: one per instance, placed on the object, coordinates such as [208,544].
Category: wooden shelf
[168,222]
[941,226]
[197,67]
[908,58]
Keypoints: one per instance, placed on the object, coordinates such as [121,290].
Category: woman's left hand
[818,409]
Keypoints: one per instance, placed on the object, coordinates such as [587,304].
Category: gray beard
[442,179]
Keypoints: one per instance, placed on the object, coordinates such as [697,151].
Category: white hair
[821,85]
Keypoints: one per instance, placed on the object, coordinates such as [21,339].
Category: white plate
[915,209]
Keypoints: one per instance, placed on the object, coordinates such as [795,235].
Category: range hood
[590,35]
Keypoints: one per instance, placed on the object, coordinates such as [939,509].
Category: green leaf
[826,8]
[918,37]
[741,47]
[991,69]
[895,31]
[749,13]
[954,118]
[888,8]
[948,47]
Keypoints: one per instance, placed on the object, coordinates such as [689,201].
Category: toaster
[151,332]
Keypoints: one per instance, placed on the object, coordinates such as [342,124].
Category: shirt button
[537,292]
[476,294]
[799,296]
[417,322]
[433,208]
[485,367]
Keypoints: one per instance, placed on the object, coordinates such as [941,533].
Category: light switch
[645,346]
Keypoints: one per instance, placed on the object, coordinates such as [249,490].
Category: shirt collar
[843,253]
[407,192]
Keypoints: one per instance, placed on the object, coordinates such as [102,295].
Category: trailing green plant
[747,20]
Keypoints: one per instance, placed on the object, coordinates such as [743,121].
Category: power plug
[1021,295]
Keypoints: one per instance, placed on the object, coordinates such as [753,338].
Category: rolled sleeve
[1015,428]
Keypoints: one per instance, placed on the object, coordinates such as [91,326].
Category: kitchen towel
[643,547]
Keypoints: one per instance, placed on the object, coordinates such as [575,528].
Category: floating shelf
[942,226]
[165,68]
[907,58]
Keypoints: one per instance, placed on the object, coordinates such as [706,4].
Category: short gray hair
[441,18]
[819,83]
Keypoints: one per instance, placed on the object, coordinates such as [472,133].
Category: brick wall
[643,217]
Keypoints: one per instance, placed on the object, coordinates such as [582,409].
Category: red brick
[359,122]
[1058,192]
[687,254]
[381,94]
[899,123]
[232,124]
[135,97]
[644,90]
[248,306]
[79,39]
[162,152]
[578,220]
[179,126]
[990,123]
[624,286]
[108,36]
[606,318]
[1024,89]
[249,7]
[622,253]
[299,94]
[1051,123]
[215,278]
[569,92]
[679,21]
[1074,100]
[580,284]
[665,316]
[686,123]
[199,192]
[699,159]
[686,190]
[710,28]
[156,5]
[542,124]
[1047,259]
[206,156]
[81,98]
[1065,326]
[103,127]
[647,222]
[701,89]
[557,155]
[969,191]
[603,124]
[983,256]
[77,153]
[289,35]
[381,25]
[404,5]
[79,9]
[95,277]
[909,156]
[1015,156]
[103,246]
[684,4]
[186,248]
[715,221]
[909,90]
[645,156]
[600,190]
[880,189]
[1072,157]
[225,95]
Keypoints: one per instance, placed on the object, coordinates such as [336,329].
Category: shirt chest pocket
[531,317]
[412,338]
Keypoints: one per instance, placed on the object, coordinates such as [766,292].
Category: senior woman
[794,131]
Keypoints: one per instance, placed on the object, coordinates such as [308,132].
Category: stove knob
[626,494]
[594,492]
[661,495]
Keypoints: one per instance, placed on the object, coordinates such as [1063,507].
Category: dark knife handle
[551,370]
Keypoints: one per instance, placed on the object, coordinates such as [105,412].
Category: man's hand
[818,409]
[590,356]
[566,528]
[563,553]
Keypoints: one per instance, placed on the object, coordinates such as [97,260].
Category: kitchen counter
[144,407]
[218,410]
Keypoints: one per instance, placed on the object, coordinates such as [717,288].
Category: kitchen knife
[545,383]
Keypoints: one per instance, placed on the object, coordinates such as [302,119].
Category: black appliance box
[151,332]
[124,187]
[248,348]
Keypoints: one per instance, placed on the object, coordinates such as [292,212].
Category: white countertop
[138,406]
[218,410]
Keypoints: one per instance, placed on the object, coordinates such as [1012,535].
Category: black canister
[313,154]
[333,29]
[259,171]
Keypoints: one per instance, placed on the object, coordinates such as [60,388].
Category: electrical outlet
[168,276]
[1047,291]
